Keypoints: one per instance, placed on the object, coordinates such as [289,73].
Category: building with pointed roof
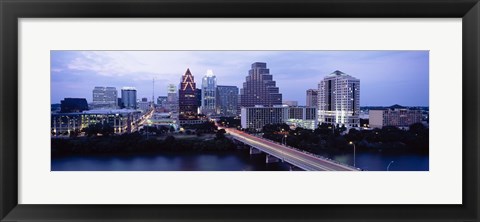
[339,100]
[187,99]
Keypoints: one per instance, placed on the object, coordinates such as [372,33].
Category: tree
[107,130]
[98,128]
[169,140]
[353,135]
[324,129]
[417,128]
[220,135]
[340,129]
[74,133]
[162,130]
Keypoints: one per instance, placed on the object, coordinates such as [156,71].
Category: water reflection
[226,161]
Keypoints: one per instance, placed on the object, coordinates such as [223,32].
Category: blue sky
[386,77]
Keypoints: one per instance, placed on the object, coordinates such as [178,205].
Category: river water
[239,160]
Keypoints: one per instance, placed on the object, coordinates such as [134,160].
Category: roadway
[303,160]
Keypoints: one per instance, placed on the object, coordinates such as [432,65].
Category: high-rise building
[187,101]
[312,97]
[227,100]
[129,97]
[172,98]
[104,97]
[172,93]
[259,87]
[198,95]
[395,115]
[209,84]
[339,100]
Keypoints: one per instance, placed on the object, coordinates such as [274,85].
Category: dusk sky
[386,77]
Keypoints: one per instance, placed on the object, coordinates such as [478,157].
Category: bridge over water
[275,151]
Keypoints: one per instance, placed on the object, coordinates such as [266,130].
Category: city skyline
[388,77]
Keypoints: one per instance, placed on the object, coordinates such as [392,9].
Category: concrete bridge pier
[271,159]
[254,150]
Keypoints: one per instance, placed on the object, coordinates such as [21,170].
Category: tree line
[137,143]
[327,137]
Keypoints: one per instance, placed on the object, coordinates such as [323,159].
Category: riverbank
[135,144]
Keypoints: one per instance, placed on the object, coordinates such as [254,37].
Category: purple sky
[386,77]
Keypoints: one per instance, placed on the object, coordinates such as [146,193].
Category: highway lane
[298,158]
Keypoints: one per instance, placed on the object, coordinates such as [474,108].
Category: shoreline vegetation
[389,139]
[207,138]
[135,143]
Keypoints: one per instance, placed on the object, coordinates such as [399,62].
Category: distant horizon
[386,77]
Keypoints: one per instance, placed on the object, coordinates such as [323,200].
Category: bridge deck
[295,157]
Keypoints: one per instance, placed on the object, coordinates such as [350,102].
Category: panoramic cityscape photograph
[239,110]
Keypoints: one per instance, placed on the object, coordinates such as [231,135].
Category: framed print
[265,110]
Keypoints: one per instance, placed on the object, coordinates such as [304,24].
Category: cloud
[382,73]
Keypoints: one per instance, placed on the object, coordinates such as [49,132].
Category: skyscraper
[227,100]
[105,97]
[312,97]
[129,97]
[198,95]
[259,87]
[209,84]
[172,98]
[187,101]
[339,100]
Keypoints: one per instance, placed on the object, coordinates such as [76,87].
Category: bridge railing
[312,154]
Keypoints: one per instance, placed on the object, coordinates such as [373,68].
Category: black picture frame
[12,10]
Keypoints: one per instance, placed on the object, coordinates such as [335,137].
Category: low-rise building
[122,121]
[144,105]
[255,118]
[303,117]
[290,103]
[164,119]
[395,115]
[70,105]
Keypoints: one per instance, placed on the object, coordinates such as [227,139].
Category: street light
[285,143]
[389,165]
[353,153]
